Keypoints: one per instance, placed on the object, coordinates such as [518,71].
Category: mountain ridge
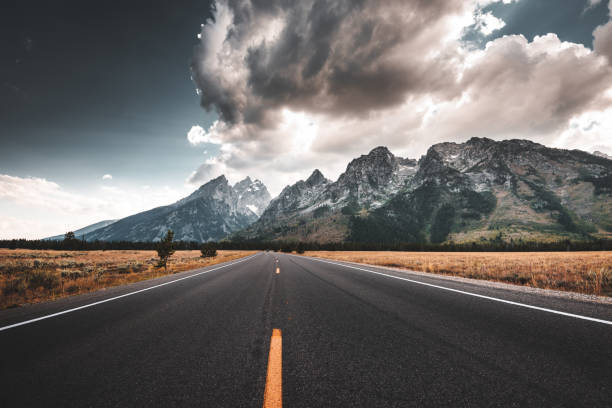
[212,212]
[82,231]
[479,189]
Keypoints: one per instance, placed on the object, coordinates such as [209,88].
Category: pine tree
[70,242]
[165,249]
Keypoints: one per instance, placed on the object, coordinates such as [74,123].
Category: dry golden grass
[30,276]
[584,272]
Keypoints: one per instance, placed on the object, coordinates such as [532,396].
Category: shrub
[17,285]
[46,279]
[72,289]
[208,251]
[124,269]
[72,275]
[98,274]
[11,269]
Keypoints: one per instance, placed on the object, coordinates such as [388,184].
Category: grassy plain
[583,272]
[30,276]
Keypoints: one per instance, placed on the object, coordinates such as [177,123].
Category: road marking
[277,270]
[120,296]
[273,395]
[543,309]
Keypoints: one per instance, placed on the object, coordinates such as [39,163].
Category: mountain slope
[212,212]
[81,232]
[472,191]
[514,189]
[316,209]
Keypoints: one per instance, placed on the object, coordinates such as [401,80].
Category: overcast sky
[100,117]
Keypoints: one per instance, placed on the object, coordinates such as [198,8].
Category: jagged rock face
[316,179]
[515,188]
[212,212]
[299,197]
[367,181]
[252,195]
[457,191]
[482,163]
[460,191]
[370,179]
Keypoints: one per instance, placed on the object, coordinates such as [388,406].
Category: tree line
[71,243]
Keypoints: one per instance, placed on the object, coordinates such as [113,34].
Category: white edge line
[543,309]
[120,296]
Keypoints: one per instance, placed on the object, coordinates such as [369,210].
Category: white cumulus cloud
[196,135]
[487,23]
[34,207]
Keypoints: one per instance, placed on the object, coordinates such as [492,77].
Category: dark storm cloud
[332,56]
[297,82]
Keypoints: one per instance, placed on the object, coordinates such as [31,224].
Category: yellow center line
[273,395]
[277,269]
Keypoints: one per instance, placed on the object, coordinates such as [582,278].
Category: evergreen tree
[165,249]
[70,242]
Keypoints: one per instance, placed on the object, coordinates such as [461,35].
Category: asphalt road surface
[351,337]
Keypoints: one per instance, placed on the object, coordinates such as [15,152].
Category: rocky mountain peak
[219,183]
[481,153]
[374,168]
[368,179]
[218,180]
[252,195]
[316,178]
[218,187]
[212,212]
[243,184]
[380,151]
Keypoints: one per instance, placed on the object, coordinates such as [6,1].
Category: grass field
[30,276]
[583,272]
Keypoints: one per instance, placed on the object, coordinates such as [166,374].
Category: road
[350,338]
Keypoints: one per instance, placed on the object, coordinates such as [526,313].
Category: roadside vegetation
[208,250]
[165,249]
[31,276]
[495,243]
[583,272]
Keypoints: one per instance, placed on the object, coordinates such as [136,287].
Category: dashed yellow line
[273,395]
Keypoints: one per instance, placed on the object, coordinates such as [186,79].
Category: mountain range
[210,213]
[462,192]
[472,191]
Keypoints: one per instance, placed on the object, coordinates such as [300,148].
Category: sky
[106,111]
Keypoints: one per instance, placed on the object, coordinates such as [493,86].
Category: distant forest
[286,246]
